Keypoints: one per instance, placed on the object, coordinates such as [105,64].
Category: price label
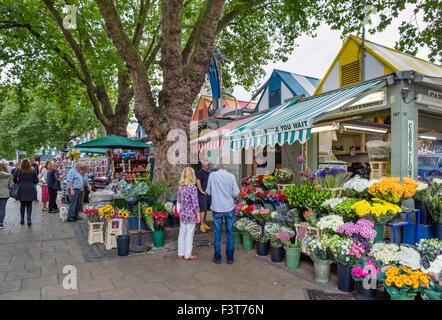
[425,262]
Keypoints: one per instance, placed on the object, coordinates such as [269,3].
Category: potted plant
[277,232]
[170,209]
[365,274]
[402,283]
[321,255]
[292,250]
[284,176]
[243,225]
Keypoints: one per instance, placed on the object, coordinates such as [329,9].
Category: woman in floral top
[188,211]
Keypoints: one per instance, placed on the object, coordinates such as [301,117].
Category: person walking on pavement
[6,184]
[26,178]
[187,200]
[54,186]
[76,185]
[223,188]
[43,177]
[37,172]
[85,175]
[203,198]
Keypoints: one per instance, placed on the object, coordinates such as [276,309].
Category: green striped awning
[292,121]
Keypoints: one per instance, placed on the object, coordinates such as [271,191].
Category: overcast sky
[314,56]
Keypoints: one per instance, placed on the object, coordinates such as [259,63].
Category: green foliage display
[306,196]
[344,209]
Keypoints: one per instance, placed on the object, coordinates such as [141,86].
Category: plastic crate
[409,233]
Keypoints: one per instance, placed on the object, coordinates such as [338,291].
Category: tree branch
[141,18]
[232,15]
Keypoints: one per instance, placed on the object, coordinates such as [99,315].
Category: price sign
[425,262]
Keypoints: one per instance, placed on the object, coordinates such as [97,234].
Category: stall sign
[410,148]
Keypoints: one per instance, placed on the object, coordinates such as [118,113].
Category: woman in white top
[44,187]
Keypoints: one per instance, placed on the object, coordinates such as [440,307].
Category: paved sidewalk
[32,261]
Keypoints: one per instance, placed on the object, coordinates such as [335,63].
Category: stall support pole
[140,248]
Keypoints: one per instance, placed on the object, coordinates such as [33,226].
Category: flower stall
[334,219]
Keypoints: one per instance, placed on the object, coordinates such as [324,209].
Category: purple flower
[300,159]
[333,171]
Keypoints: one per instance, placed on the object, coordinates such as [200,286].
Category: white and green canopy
[292,121]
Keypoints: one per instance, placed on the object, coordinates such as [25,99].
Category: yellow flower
[408,281]
[149,210]
[388,282]
[399,283]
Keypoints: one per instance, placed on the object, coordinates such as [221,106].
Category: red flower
[266,194]
[249,209]
[260,179]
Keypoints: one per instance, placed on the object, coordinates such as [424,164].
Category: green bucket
[379,232]
[247,241]
[292,256]
[405,296]
[158,238]
[237,237]
[322,270]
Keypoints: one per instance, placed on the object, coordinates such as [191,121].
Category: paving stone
[127,281]
[120,294]
[57,292]
[8,286]
[95,285]
[23,274]
[5,267]
[26,294]
[83,296]
[39,282]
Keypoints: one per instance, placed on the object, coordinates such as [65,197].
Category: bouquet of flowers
[242,224]
[366,267]
[245,191]
[107,212]
[380,211]
[402,280]
[392,190]
[344,251]
[286,217]
[310,217]
[363,229]
[256,180]
[92,215]
[148,217]
[272,229]
[159,219]
[245,181]
[330,204]
[330,223]
[306,177]
[430,248]
[357,187]
[284,176]
[421,192]
[261,215]
[128,191]
[307,196]
[270,182]
[122,214]
[170,208]
[320,249]
[333,178]
[284,238]
[409,257]
[387,253]
[345,210]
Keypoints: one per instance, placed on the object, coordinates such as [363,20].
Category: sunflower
[149,210]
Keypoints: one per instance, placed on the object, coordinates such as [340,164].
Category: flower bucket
[123,243]
[346,282]
[247,241]
[322,270]
[262,248]
[379,227]
[277,254]
[405,296]
[437,230]
[237,237]
[292,257]
[365,294]
[158,238]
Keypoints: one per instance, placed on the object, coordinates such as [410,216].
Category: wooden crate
[378,169]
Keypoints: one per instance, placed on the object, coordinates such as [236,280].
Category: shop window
[275,98]
[350,73]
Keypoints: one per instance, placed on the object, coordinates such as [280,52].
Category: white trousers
[185,239]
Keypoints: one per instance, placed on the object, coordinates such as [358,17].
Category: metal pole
[363,44]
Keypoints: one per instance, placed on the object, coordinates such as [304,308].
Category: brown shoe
[229,261]
[215,261]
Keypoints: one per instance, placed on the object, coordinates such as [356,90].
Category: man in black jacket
[53,187]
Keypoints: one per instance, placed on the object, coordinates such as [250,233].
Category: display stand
[378,169]
[114,227]
[95,233]
[394,226]
[138,248]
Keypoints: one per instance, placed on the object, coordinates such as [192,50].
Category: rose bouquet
[92,215]
[284,176]
[356,187]
[401,280]
[245,191]
[379,211]
[256,180]
[261,215]
[159,219]
[392,190]
[430,248]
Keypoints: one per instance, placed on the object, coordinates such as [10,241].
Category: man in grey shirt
[223,188]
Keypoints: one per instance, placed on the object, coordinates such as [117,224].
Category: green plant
[158,188]
[307,196]
[270,182]
[344,209]
[435,201]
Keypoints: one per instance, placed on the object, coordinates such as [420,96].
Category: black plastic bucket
[262,248]
[123,243]
[345,280]
[277,254]
[365,294]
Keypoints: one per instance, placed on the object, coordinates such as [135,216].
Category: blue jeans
[74,203]
[218,228]
[3,209]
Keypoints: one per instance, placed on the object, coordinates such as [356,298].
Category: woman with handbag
[26,177]
[43,178]
[54,185]
[5,189]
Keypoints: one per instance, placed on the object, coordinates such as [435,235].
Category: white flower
[421,186]
[409,257]
[385,252]
[330,222]
[435,266]
[357,183]
[332,203]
